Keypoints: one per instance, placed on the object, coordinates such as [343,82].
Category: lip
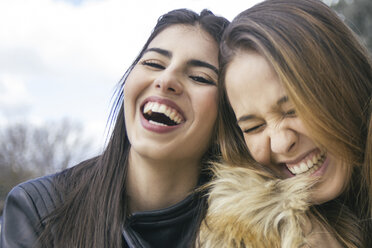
[304,157]
[157,128]
[319,172]
[301,158]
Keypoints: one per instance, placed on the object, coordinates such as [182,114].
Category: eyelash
[157,65]
[202,80]
[290,113]
[249,130]
[152,64]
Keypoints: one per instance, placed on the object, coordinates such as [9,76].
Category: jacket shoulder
[42,192]
[26,207]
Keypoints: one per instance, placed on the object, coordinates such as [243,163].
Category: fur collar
[248,209]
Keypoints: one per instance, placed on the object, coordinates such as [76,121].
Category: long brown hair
[327,73]
[94,195]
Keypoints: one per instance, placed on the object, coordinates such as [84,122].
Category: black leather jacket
[29,202]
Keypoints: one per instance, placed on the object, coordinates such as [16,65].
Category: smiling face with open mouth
[161,115]
[170,97]
[273,133]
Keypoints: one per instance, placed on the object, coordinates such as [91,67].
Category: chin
[333,182]
[324,194]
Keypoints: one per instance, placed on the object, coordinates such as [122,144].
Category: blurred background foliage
[357,14]
[28,151]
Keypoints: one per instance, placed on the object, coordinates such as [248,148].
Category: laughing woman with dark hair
[140,191]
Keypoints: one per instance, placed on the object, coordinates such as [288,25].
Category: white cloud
[12,90]
[14,97]
[97,35]
[62,58]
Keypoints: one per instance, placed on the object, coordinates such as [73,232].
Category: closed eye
[153,64]
[202,80]
[252,129]
[290,113]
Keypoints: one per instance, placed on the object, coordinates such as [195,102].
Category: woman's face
[273,133]
[170,97]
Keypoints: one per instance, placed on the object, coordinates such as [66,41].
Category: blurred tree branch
[28,151]
[358,16]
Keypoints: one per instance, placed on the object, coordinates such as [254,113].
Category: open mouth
[161,114]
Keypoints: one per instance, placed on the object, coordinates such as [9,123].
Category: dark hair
[327,74]
[94,191]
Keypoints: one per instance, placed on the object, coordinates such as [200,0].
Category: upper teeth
[311,165]
[164,109]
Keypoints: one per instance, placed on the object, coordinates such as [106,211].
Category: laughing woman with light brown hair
[295,132]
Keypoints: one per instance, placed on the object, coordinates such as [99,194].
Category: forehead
[187,39]
[251,82]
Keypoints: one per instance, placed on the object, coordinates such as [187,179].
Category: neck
[154,184]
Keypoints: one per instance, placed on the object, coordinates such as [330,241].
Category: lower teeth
[157,123]
[313,169]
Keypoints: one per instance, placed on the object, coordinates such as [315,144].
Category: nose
[283,141]
[169,83]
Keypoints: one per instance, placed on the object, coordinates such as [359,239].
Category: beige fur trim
[250,210]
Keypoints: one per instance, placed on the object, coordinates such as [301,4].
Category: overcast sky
[62,58]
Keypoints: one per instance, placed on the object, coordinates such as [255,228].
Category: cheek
[258,148]
[137,79]
[205,114]
[298,125]
[132,90]
[130,85]
[205,103]
[134,86]
[128,103]
[128,88]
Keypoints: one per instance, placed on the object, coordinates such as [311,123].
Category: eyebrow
[193,62]
[282,100]
[164,52]
[245,118]
[199,63]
